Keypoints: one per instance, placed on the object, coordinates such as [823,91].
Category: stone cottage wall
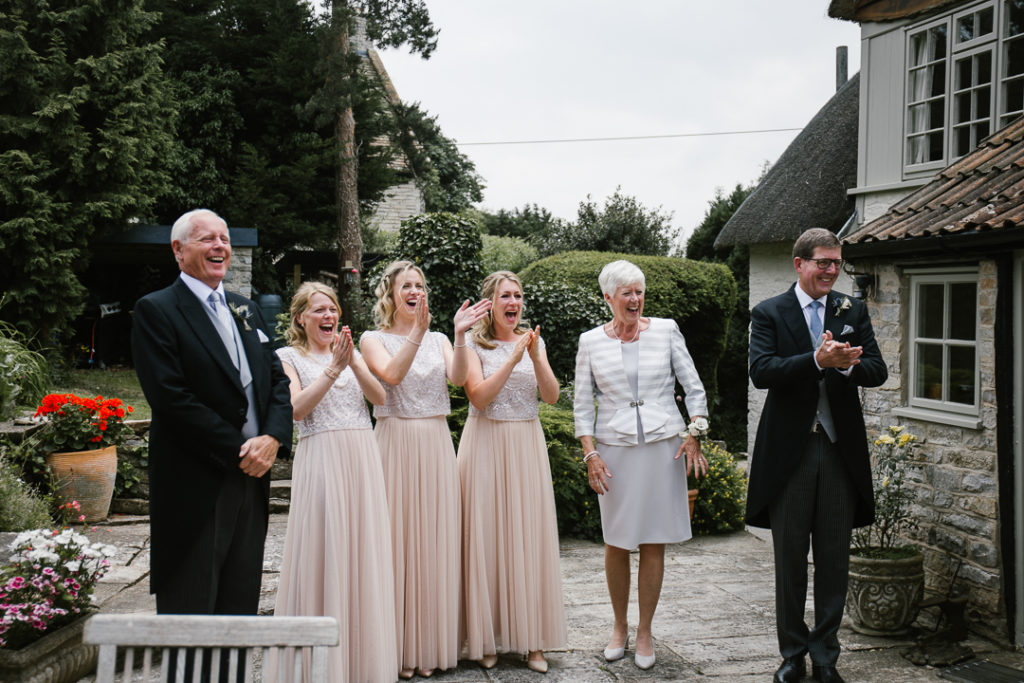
[399,202]
[956,484]
[239,276]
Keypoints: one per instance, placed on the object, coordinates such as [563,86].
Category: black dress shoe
[791,671]
[826,674]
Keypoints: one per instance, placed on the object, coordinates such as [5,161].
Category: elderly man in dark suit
[221,415]
[810,474]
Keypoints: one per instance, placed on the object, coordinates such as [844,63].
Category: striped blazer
[663,360]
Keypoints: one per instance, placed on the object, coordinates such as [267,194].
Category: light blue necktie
[824,412]
[815,322]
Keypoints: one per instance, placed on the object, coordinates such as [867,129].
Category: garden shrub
[447,247]
[27,457]
[699,296]
[20,507]
[575,503]
[506,253]
[24,374]
[721,497]
[563,311]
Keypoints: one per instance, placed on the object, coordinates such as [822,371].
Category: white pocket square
[264,339]
[847,329]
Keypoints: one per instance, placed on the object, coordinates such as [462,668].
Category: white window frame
[996,41]
[950,410]
[992,84]
[1006,115]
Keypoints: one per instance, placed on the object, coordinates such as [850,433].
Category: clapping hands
[833,354]
[341,351]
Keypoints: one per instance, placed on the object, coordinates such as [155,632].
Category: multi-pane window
[1011,74]
[965,79]
[943,342]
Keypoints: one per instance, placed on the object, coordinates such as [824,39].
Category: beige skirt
[422,481]
[337,553]
[512,583]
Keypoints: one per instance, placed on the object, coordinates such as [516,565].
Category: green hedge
[699,296]
[721,499]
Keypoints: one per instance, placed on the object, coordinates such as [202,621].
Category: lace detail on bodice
[424,390]
[343,407]
[517,400]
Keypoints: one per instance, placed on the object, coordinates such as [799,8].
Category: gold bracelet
[408,339]
[331,372]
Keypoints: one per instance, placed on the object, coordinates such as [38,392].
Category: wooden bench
[235,640]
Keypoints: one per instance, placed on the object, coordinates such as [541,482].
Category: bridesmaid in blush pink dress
[337,549]
[420,471]
[512,584]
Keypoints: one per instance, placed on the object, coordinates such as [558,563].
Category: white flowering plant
[48,582]
[890,460]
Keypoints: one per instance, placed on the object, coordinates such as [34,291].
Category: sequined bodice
[517,400]
[343,407]
[424,390]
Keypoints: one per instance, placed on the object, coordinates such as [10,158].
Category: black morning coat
[199,407]
[782,361]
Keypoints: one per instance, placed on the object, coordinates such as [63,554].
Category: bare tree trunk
[350,239]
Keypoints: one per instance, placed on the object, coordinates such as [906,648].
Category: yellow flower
[885,440]
[885,482]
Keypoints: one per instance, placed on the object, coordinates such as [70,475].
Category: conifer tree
[85,131]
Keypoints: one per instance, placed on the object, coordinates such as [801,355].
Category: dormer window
[965,79]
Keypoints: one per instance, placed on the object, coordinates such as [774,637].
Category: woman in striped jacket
[631,365]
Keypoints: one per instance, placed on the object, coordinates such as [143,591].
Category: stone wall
[399,202]
[956,484]
[239,276]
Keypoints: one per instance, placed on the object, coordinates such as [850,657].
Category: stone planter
[88,477]
[884,595]
[58,657]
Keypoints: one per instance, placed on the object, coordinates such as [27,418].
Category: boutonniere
[242,315]
[840,305]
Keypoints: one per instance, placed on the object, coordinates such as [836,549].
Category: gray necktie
[229,335]
[824,412]
[228,331]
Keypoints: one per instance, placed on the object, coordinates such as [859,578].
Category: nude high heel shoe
[613,654]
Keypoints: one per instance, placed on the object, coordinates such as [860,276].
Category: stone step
[281,469]
[281,488]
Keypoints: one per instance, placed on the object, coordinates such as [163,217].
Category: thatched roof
[807,186]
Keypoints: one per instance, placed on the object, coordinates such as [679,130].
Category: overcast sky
[563,69]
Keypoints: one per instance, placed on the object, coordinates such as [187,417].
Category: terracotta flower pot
[692,495]
[88,477]
[884,595]
[57,657]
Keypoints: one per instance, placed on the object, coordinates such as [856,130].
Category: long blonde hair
[482,331]
[295,335]
[384,309]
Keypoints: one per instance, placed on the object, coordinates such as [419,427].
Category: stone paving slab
[715,621]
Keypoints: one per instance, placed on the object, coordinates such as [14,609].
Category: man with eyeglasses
[810,474]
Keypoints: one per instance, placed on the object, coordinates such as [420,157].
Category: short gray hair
[619,273]
[181,231]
